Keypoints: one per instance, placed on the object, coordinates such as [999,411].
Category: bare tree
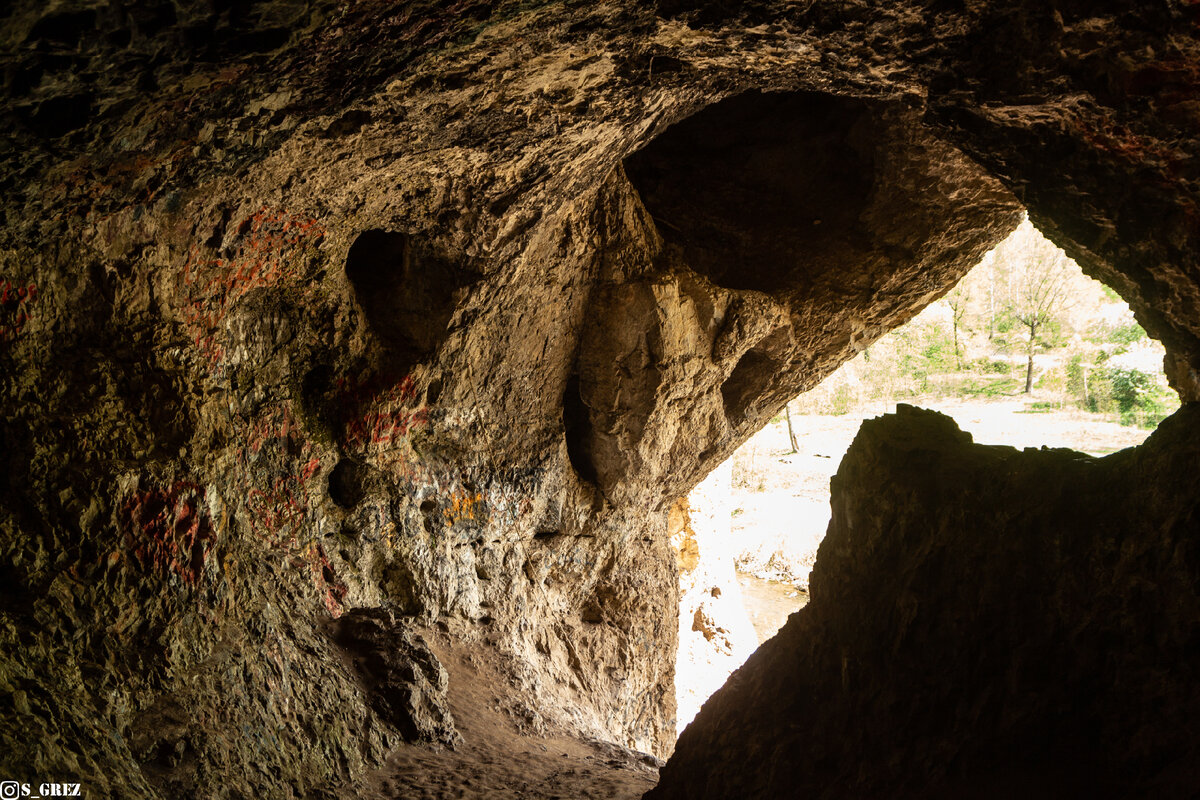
[1039,293]
[959,299]
[787,411]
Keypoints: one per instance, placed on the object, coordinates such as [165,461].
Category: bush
[1076,384]
[991,366]
[1139,398]
[1099,397]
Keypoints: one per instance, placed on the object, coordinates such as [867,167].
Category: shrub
[991,366]
[1076,384]
[1139,398]
[1099,398]
[1054,380]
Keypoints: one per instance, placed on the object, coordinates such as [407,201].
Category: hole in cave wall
[58,116]
[848,214]
[576,426]
[759,191]
[753,371]
[407,291]
[63,27]
[348,483]
[751,529]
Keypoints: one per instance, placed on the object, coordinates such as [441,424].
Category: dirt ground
[496,761]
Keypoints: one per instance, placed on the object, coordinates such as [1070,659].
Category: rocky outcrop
[314,307]
[984,622]
[403,678]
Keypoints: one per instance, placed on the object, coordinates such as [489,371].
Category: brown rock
[312,307]
[976,629]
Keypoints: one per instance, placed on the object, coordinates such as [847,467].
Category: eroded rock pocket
[405,681]
[406,289]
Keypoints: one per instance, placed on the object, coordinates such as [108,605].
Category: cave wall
[313,312]
[983,622]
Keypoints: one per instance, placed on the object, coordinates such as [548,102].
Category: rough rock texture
[984,622]
[405,682]
[307,307]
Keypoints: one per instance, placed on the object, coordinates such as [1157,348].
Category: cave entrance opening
[799,227]
[1024,351]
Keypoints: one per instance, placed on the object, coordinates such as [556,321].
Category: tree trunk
[992,304]
[957,356]
[787,412]
[1029,362]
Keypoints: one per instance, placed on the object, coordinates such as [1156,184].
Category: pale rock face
[715,633]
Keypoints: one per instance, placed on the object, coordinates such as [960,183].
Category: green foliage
[1127,334]
[989,387]
[1052,380]
[939,355]
[1076,383]
[1129,387]
[1118,337]
[1052,333]
[843,399]
[1140,399]
[995,366]
[1025,280]
[1099,397]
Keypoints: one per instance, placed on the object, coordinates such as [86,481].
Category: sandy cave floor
[496,761]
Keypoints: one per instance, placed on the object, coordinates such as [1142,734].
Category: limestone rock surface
[715,632]
[404,679]
[311,306]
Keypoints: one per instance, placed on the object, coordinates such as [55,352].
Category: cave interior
[355,356]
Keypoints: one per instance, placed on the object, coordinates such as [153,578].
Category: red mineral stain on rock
[332,590]
[271,241]
[15,302]
[168,531]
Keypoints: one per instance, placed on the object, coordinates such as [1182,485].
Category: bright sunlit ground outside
[1026,351]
